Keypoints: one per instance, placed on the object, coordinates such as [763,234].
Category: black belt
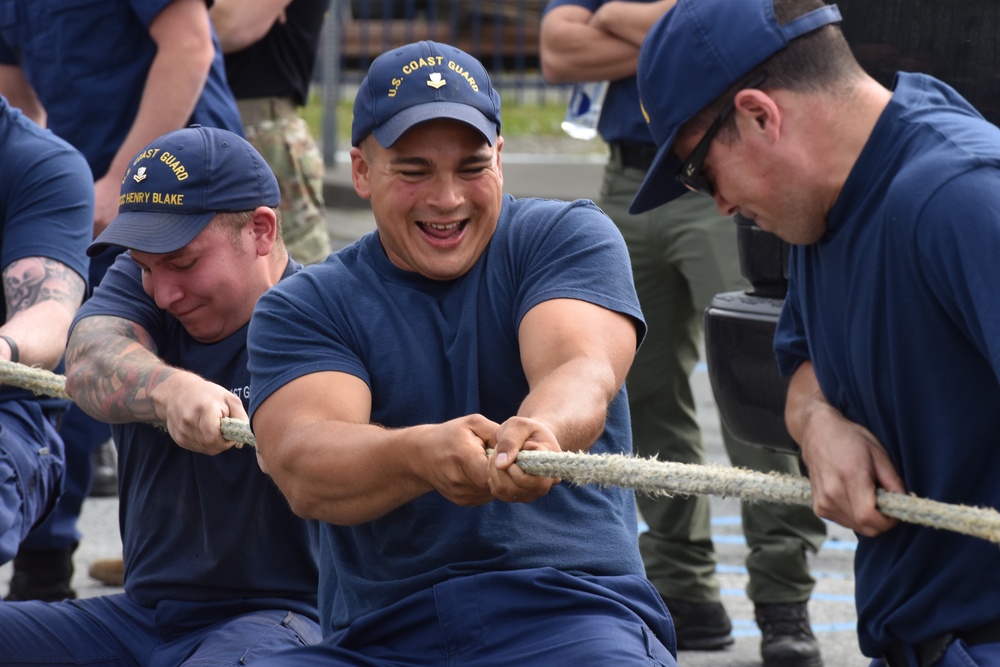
[634,154]
[930,651]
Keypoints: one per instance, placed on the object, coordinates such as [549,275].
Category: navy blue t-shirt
[898,308]
[46,206]
[88,60]
[197,527]
[432,351]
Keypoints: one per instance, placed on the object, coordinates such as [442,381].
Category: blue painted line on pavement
[823,597]
[831,544]
[731,520]
[722,568]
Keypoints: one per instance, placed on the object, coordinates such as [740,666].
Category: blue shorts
[32,467]
[527,618]
[116,631]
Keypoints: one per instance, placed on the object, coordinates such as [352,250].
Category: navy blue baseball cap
[690,57]
[178,183]
[419,82]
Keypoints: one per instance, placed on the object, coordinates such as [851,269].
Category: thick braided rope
[37,380]
[643,475]
[670,478]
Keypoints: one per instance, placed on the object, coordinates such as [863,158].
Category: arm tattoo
[32,280]
[114,369]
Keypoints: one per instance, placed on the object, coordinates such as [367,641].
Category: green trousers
[682,255]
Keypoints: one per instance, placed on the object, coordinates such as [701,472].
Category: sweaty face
[208,285]
[436,196]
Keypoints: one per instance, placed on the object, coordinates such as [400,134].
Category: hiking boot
[786,638]
[110,571]
[105,466]
[700,626]
[42,574]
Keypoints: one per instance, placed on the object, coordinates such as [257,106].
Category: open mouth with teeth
[443,232]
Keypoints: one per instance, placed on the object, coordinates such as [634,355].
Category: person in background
[217,569]
[108,76]
[46,209]
[682,254]
[469,321]
[889,331]
[270,53]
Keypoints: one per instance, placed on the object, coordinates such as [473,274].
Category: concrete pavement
[558,176]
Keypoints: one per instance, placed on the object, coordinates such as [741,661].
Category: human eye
[412,174]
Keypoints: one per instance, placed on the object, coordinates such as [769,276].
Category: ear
[361,172]
[499,146]
[264,227]
[757,114]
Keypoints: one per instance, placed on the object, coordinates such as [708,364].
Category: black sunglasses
[691,174]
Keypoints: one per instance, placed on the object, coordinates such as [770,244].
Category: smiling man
[469,320]
[890,330]
[217,569]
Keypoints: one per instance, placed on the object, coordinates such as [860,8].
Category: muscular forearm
[573,402]
[804,398]
[240,23]
[572,49]
[176,79]
[39,334]
[630,21]
[112,372]
[360,477]
[42,296]
[315,438]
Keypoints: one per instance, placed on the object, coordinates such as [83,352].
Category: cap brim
[146,231]
[660,185]
[390,131]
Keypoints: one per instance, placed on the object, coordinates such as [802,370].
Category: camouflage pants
[282,137]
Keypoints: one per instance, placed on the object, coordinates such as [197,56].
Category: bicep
[316,397]
[106,333]
[32,280]
[180,25]
[558,331]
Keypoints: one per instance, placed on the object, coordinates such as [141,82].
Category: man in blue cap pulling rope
[890,330]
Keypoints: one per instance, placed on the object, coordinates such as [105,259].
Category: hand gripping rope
[649,476]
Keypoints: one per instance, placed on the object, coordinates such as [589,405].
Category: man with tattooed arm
[46,209]
[217,568]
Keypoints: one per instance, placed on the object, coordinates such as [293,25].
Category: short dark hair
[232,223]
[819,60]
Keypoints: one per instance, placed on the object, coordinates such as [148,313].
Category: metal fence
[502,34]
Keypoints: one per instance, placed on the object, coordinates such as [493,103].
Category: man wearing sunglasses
[682,255]
[889,330]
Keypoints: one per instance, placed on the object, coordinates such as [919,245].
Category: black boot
[42,574]
[786,638]
[105,480]
[700,626]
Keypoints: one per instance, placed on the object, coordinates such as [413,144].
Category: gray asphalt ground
[562,176]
